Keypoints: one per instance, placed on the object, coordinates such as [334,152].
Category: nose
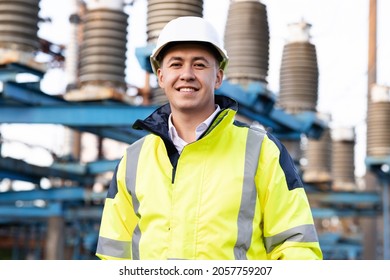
[187,73]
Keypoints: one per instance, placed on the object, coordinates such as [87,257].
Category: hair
[207,45]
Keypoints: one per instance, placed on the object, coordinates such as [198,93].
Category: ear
[219,78]
[160,78]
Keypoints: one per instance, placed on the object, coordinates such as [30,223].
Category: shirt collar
[200,129]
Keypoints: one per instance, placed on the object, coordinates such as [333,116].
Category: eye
[199,65]
[175,64]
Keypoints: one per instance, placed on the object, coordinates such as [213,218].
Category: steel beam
[255,96]
[328,212]
[347,198]
[75,115]
[52,209]
[143,56]
[14,175]
[90,168]
[17,68]
[256,102]
[17,94]
[379,165]
[345,204]
[121,134]
[101,166]
[11,214]
[54,194]
[71,172]
[83,173]
[27,93]
[87,212]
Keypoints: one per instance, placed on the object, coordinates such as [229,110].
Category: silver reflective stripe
[131,175]
[113,248]
[303,233]
[249,193]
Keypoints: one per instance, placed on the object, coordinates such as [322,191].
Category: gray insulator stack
[343,159]
[318,155]
[247,42]
[103,50]
[378,119]
[19,25]
[299,72]
[159,13]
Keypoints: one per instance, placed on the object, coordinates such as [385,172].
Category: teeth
[187,89]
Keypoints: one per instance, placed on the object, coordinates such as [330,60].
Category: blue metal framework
[74,171]
[257,103]
[77,206]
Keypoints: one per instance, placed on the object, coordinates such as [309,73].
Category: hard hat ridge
[188,29]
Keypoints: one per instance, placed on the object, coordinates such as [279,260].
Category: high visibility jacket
[232,194]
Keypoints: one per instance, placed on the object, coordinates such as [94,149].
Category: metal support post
[386,221]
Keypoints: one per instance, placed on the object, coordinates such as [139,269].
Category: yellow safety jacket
[232,194]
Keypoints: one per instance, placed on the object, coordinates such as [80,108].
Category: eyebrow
[193,59]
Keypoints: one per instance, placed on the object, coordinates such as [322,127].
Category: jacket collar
[157,122]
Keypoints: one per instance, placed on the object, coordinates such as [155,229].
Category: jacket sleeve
[118,219]
[288,226]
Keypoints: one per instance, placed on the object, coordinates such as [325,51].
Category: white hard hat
[188,29]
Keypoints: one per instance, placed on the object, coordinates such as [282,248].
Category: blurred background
[75,75]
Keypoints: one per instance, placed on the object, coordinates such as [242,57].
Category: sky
[339,30]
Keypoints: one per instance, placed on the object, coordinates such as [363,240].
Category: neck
[186,124]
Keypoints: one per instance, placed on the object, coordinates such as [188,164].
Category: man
[201,185]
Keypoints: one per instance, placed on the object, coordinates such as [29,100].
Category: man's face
[189,74]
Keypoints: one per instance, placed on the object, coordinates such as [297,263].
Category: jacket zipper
[173,174]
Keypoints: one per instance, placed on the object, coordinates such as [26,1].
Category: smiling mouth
[184,89]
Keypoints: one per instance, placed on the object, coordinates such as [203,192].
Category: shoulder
[274,148]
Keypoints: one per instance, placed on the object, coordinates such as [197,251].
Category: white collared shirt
[202,127]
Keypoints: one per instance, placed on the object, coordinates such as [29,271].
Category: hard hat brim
[158,53]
